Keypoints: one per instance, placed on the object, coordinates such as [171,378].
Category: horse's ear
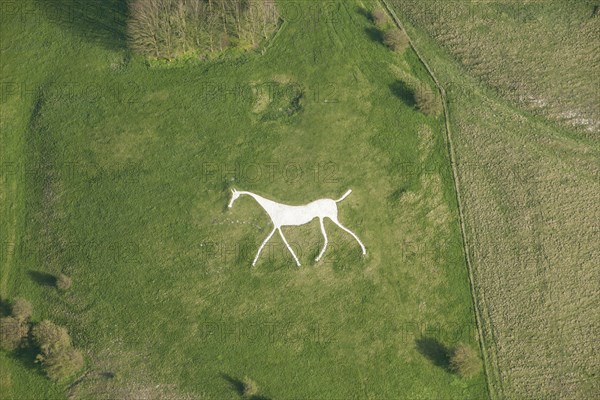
[232,190]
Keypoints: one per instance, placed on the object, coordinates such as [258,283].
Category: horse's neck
[265,203]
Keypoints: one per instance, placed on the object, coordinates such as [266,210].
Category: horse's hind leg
[362,246]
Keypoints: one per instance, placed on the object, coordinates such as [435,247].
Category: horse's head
[234,196]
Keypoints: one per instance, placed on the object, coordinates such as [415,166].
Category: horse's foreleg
[288,246]
[263,245]
[326,241]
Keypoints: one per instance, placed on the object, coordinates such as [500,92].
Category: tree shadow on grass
[395,195]
[435,351]
[42,278]
[374,34]
[238,387]
[404,93]
[236,384]
[100,21]
[5,308]
[26,356]
[365,13]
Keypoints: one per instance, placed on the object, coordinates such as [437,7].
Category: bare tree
[143,27]
[169,28]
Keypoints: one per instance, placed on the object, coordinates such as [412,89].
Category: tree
[270,17]
[57,357]
[12,333]
[61,363]
[250,388]
[396,40]
[260,19]
[170,28]
[63,282]
[379,18]
[50,337]
[143,27]
[464,361]
[21,309]
[427,101]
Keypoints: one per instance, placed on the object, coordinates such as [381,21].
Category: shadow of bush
[435,351]
[100,21]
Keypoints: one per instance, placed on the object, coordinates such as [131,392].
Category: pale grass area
[541,54]
[101,383]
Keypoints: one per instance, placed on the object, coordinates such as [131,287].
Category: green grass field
[530,188]
[118,174]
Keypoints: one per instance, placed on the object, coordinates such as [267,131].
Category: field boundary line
[455,178]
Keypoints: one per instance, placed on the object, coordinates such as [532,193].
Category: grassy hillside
[530,193]
[122,174]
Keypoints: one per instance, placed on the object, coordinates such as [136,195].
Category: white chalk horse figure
[286,215]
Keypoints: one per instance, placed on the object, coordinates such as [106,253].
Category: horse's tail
[344,196]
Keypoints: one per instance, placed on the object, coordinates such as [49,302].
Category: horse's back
[324,207]
[299,215]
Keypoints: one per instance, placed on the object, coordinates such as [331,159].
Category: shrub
[250,388]
[464,361]
[396,40]
[427,101]
[379,18]
[12,333]
[61,363]
[21,309]
[63,282]
[50,337]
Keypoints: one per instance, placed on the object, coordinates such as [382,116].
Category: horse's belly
[300,215]
[297,219]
